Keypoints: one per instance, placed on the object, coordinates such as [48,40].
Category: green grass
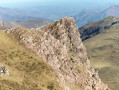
[27,70]
[103,51]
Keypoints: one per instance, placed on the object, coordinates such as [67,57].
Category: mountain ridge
[59,45]
[9,14]
[27,24]
[89,16]
[96,27]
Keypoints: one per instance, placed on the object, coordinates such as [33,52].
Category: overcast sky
[23,3]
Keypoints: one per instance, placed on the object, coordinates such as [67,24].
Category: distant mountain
[94,28]
[89,16]
[7,14]
[53,12]
[112,11]
[27,24]
[35,13]
[10,18]
[103,48]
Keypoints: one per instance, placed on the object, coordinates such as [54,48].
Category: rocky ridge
[97,27]
[59,44]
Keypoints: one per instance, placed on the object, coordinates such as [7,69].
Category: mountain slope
[59,45]
[103,50]
[89,16]
[27,70]
[7,14]
[27,24]
[94,28]
[59,61]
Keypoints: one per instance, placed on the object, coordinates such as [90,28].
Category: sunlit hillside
[103,51]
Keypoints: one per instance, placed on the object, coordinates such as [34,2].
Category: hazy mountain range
[51,12]
[89,16]
[10,18]
[27,24]
[40,12]
[7,14]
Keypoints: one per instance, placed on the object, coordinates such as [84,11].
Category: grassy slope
[27,71]
[103,51]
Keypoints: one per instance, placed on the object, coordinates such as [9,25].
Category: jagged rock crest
[59,44]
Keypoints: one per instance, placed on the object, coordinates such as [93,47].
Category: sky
[32,3]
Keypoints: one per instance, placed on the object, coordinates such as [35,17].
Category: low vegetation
[27,70]
[103,51]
